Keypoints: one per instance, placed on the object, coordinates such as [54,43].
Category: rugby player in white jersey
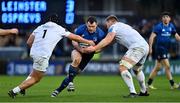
[42,42]
[135,56]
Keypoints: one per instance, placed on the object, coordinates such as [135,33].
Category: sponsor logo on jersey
[166,34]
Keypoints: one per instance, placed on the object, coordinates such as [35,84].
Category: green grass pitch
[88,89]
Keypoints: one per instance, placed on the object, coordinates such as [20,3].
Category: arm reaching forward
[80,39]
[106,41]
[8,31]
[30,40]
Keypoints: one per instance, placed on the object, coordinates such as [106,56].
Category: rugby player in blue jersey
[161,35]
[81,58]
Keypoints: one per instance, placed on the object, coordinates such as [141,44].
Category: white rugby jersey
[127,36]
[46,38]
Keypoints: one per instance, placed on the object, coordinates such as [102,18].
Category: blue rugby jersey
[164,33]
[97,36]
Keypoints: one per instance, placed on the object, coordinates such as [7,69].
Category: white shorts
[40,63]
[137,54]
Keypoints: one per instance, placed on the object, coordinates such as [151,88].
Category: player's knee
[167,69]
[124,65]
[157,69]
[158,66]
[167,66]
[137,68]
[122,68]
[76,61]
[135,72]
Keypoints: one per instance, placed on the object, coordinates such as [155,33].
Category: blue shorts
[85,60]
[161,53]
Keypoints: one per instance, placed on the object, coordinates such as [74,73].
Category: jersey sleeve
[63,32]
[112,29]
[36,30]
[156,29]
[66,33]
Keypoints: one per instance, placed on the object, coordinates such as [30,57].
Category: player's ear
[97,24]
[170,18]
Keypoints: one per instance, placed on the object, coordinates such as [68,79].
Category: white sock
[141,79]
[16,89]
[128,80]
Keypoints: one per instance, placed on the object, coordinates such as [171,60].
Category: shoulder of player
[38,28]
[50,25]
[81,27]
[158,26]
[111,28]
[99,30]
[171,24]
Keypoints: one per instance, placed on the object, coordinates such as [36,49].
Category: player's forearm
[97,51]
[150,43]
[101,45]
[76,46]
[29,43]
[107,40]
[177,36]
[84,41]
[8,31]
[151,39]
[80,39]
[30,40]
[5,32]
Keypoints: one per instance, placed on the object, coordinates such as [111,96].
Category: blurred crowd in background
[141,15]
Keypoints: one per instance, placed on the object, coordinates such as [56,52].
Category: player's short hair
[54,18]
[112,17]
[91,19]
[166,13]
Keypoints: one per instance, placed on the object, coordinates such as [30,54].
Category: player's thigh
[139,66]
[40,63]
[134,55]
[86,58]
[76,57]
[143,59]
[158,65]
